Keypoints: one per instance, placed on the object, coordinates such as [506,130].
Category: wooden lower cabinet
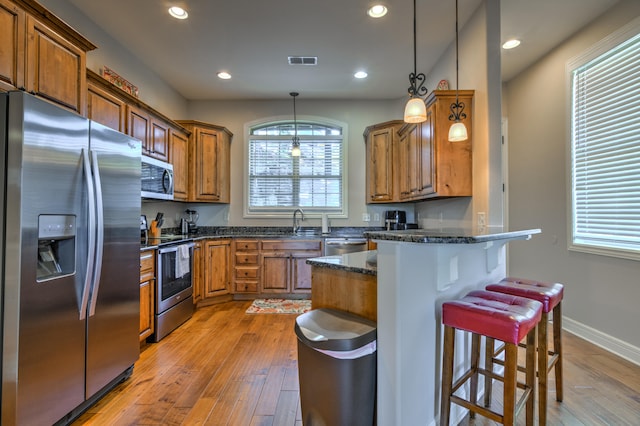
[284,267]
[147,293]
[217,267]
[246,266]
[346,291]
[197,273]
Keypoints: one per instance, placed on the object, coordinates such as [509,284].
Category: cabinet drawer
[146,276]
[246,258]
[247,272]
[246,245]
[275,245]
[246,287]
[147,260]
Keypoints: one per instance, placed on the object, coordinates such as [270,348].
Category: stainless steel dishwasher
[343,245]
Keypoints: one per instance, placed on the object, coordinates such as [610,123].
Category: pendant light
[457,131]
[295,142]
[415,111]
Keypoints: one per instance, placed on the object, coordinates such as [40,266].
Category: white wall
[601,293]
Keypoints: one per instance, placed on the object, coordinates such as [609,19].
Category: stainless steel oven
[174,288]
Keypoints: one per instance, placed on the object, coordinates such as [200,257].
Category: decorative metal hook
[456,111]
[417,84]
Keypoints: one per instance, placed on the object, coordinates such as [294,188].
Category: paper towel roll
[325,224]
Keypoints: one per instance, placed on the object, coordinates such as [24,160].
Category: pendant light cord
[415,51]
[457,78]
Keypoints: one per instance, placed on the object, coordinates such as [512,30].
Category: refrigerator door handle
[91,235]
[99,248]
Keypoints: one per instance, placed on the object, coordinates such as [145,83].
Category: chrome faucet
[296,223]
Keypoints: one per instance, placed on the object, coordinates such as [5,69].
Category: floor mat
[279,306]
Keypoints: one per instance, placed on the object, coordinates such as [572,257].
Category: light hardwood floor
[224,367]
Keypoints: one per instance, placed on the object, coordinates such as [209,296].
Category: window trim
[630,30]
[285,212]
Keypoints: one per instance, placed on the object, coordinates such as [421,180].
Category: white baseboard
[609,343]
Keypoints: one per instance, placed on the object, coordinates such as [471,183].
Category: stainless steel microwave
[156,179]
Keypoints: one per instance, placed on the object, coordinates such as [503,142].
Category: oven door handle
[173,248]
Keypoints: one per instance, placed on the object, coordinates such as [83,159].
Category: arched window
[279,182]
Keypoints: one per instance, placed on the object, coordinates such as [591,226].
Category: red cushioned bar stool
[550,295]
[507,318]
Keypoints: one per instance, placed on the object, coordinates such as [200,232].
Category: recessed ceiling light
[360,74]
[178,12]
[510,44]
[377,11]
[224,75]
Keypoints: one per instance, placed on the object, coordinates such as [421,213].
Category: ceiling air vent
[303,60]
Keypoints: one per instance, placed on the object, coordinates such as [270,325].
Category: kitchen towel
[182,260]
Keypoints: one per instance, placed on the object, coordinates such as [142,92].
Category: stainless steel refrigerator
[70,260]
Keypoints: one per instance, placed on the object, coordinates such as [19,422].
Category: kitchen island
[346,282]
[417,270]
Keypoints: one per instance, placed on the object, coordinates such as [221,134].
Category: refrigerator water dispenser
[56,246]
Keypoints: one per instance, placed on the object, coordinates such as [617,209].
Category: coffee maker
[189,222]
[395,219]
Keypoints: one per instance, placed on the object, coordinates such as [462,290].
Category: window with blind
[279,182]
[605,147]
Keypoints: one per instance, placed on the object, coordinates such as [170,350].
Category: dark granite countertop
[171,236]
[451,235]
[362,262]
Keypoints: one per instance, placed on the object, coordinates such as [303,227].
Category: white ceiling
[252,39]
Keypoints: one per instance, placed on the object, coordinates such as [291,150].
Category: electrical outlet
[366,217]
[376,217]
[481,219]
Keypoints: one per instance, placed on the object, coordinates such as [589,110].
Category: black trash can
[336,368]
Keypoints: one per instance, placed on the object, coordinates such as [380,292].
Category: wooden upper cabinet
[179,143]
[159,143]
[55,67]
[424,163]
[139,126]
[452,161]
[12,27]
[381,187]
[106,108]
[209,162]
[42,54]
[153,132]
[416,159]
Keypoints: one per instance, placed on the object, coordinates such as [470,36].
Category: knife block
[154,230]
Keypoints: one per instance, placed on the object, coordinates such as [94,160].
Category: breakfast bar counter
[417,270]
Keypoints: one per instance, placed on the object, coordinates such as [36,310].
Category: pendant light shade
[295,141]
[457,131]
[415,111]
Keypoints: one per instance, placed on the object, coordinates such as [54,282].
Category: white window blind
[606,151]
[279,182]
